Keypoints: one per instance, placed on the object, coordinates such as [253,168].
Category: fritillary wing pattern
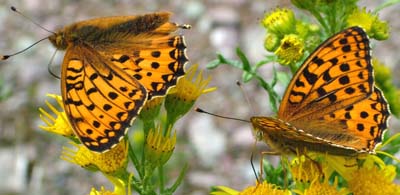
[112,66]
[331,104]
[100,99]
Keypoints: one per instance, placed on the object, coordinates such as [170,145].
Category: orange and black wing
[100,99]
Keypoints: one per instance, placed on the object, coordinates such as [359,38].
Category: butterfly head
[58,40]
[259,129]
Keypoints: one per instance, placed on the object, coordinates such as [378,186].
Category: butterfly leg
[265,153]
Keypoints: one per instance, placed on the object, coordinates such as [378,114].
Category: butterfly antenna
[246,97]
[49,66]
[37,24]
[5,57]
[225,117]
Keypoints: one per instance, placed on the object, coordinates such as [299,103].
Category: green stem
[161,178]
[179,180]
[134,160]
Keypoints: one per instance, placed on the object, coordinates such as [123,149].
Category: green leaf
[246,77]
[234,63]
[243,58]
[213,64]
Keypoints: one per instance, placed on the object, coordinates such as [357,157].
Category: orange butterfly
[331,104]
[111,67]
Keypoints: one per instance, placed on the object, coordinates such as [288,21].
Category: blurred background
[217,150]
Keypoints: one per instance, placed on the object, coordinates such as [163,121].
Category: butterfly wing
[144,46]
[336,74]
[332,97]
[100,99]
[157,67]
[359,126]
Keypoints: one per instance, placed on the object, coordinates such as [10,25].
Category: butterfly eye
[257,134]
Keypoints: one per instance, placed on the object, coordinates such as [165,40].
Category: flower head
[373,179]
[108,162]
[290,50]
[258,189]
[102,191]
[151,109]
[374,27]
[59,124]
[304,169]
[159,147]
[188,89]
[280,22]
[317,187]
[264,188]
[271,42]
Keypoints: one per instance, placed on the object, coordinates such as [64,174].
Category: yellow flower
[181,98]
[271,42]
[102,191]
[59,124]
[258,189]
[119,188]
[159,147]
[264,188]
[305,170]
[374,27]
[108,162]
[290,50]
[222,190]
[317,188]
[280,22]
[374,177]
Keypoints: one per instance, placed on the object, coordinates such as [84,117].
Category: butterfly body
[331,104]
[112,66]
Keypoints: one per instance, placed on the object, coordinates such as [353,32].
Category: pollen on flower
[59,123]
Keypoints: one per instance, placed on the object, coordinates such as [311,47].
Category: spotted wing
[157,66]
[358,126]
[337,74]
[144,46]
[100,99]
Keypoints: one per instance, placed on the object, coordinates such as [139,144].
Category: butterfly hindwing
[359,126]
[101,100]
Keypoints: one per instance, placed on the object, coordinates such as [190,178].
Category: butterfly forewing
[336,74]
[157,67]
